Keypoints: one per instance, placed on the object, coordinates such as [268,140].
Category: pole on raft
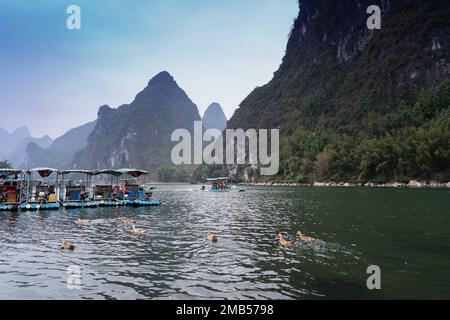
[20,188]
[119,184]
[28,186]
[88,184]
[63,186]
[57,185]
[139,188]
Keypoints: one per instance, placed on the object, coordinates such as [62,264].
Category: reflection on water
[405,232]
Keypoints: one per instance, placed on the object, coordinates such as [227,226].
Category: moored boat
[41,194]
[107,195]
[10,185]
[48,189]
[77,194]
[134,194]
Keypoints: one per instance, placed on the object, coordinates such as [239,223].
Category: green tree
[5,164]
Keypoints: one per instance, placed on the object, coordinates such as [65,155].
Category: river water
[404,232]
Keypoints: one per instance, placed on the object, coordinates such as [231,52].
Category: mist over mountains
[13,145]
[61,152]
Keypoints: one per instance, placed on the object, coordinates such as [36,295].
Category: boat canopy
[219,179]
[88,172]
[108,171]
[8,172]
[133,172]
[46,172]
[43,172]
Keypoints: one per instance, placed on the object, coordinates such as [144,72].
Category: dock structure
[52,189]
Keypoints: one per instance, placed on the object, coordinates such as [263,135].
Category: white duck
[137,231]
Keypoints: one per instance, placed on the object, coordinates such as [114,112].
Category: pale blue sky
[53,79]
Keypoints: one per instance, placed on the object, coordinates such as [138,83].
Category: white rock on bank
[398,185]
[414,184]
[319,184]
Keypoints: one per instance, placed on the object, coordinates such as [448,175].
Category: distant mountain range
[61,152]
[13,145]
[214,117]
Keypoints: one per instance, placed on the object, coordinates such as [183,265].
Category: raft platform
[9,207]
[80,204]
[40,206]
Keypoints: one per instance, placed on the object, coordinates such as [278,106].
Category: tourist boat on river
[40,194]
[107,194]
[131,191]
[10,185]
[222,184]
[77,194]
[51,189]
[125,192]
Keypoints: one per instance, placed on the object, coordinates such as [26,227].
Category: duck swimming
[126,221]
[284,242]
[212,237]
[66,245]
[138,232]
[80,222]
[304,238]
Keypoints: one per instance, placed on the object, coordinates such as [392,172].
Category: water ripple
[175,261]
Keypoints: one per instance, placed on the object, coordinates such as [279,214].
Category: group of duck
[290,243]
[211,236]
[283,242]
[66,245]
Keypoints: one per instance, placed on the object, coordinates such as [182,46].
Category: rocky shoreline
[412,184]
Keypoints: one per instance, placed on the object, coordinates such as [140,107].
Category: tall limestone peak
[163,84]
[162,78]
[214,117]
[139,134]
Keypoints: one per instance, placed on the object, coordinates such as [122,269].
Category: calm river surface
[405,232]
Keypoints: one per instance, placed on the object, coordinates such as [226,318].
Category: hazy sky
[53,79]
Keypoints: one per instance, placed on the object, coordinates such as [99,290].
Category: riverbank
[411,184]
